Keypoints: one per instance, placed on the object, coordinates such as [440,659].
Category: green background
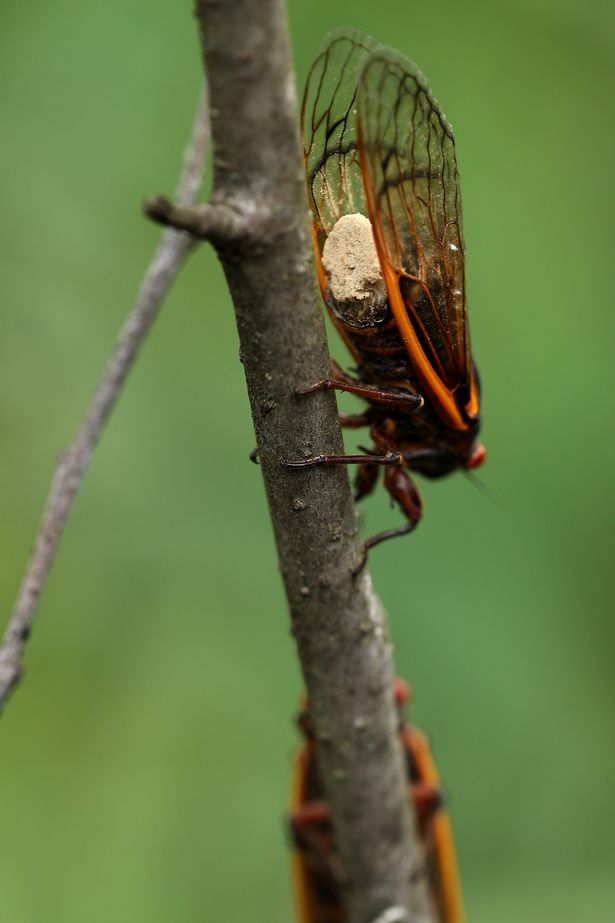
[145,761]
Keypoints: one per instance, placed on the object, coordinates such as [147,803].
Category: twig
[337,620]
[168,258]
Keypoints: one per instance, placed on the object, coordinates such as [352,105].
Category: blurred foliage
[145,760]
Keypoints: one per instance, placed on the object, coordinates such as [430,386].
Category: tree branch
[337,620]
[220,224]
[168,258]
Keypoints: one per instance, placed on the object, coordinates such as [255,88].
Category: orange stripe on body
[441,396]
[320,269]
[299,872]
[472,407]
[442,829]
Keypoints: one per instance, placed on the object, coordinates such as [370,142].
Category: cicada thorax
[377,348]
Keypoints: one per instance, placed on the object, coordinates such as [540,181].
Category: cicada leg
[427,800]
[314,812]
[343,382]
[400,486]
[365,481]
[394,458]
[404,493]
[390,454]
[310,825]
[369,392]
[402,490]
[353,420]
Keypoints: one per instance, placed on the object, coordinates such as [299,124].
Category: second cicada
[383,190]
[317,867]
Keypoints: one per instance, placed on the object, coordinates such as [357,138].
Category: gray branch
[221,225]
[337,620]
[168,258]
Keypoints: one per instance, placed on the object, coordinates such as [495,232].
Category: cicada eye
[401,691]
[478,456]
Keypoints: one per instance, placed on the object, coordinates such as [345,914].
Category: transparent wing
[329,121]
[409,171]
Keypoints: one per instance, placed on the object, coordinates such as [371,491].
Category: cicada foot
[376,540]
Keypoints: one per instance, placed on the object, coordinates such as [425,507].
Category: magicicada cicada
[316,863]
[383,190]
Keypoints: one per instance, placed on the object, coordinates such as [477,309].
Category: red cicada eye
[477,457]
[401,691]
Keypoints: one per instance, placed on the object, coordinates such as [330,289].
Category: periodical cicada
[383,190]
[316,863]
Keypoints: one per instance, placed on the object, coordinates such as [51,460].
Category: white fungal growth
[392,915]
[350,259]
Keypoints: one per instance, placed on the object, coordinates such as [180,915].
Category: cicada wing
[442,869]
[329,123]
[409,170]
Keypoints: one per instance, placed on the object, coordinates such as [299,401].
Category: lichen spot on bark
[350,260]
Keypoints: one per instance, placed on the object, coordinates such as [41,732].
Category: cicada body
[383,190]
[316,863]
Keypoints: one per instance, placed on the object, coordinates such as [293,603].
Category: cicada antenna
[474,479]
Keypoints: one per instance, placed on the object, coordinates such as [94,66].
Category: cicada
[383,190]
[316,863]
